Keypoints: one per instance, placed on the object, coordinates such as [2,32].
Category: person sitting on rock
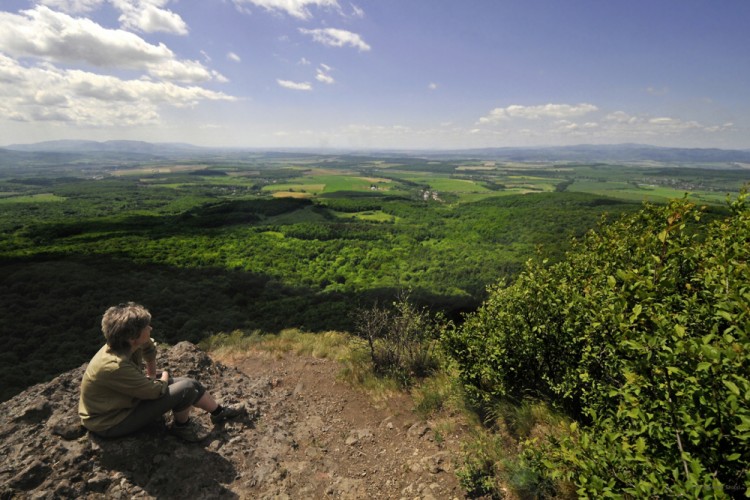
[118,398]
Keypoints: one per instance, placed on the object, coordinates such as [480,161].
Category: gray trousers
[181,394]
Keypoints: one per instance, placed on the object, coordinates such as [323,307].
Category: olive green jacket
[114,384]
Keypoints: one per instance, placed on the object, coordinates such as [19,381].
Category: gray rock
[31,476]
[46,453]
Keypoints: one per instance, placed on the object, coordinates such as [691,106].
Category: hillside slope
[307,435]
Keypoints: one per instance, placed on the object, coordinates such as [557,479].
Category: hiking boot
[192,433]
[228,412]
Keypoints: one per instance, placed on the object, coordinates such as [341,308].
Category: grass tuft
[333,345]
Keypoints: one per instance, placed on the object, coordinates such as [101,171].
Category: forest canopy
[275,241]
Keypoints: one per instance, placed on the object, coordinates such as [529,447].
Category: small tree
[401,339]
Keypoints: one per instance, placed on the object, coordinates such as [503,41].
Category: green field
[32,198]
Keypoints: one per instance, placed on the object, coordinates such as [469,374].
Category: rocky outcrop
[46,453]
[308,434]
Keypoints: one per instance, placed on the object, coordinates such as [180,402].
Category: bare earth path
[317,437]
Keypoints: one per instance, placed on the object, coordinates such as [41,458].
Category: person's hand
[165,376]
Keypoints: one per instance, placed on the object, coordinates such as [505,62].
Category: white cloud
[537,112]
[622,123]
[576,123]
[295,8]
[620,117]
[288,84]
[46,93]
[324,78]
[304,62]
[333,37]
[233,57]
[149,16]
[649,129]
[73,6]
[35,42]
[432,86]
[57,37]
[663,120]
[357,12]
[720,128]
[322,74]
[184,71]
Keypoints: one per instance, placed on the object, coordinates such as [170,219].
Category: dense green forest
[276,241]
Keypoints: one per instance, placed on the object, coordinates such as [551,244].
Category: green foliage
[642,335]
[401,339]
[562,186]
[210,253]
[204,264]
[496,457]
[479,473]
[319,345]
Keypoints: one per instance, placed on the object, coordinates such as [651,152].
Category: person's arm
[128,379]
[149,358]
[151,368]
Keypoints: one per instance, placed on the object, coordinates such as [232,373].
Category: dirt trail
[318,436]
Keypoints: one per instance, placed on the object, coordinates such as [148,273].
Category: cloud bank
[574,123]
[148,16]
[39,46]
[537,112]
[59,38]
[46,93]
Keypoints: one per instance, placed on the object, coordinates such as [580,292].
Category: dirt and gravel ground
[319,436]
[308,434]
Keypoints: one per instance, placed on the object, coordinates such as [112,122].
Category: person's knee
[189,391]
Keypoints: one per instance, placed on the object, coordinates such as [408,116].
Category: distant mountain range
[107,146]
[140,151]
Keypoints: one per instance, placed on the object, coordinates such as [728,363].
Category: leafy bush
[401,339]
[641,334]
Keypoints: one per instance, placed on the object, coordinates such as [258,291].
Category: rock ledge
[46,453]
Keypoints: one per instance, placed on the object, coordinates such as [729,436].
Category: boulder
[45,452]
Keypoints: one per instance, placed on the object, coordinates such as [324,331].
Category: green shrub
[401,339]
[479,473]
[641,334]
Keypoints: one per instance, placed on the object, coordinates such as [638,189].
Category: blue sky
[377,73]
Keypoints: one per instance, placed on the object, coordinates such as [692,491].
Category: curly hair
[122,323]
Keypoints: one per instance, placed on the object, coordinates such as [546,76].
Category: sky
[370,74]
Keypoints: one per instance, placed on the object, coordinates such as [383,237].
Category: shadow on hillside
[56,303]
[196,220]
